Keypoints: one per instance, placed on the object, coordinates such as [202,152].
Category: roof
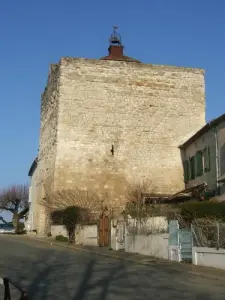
[116,53]
[165,198]
[69,60]
[122,58]
[189,190]
[33,167]
[204,129]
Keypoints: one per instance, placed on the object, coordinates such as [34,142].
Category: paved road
[51,272]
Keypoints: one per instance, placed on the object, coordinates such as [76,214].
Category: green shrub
[200,210]
[57,217]
[22,231]
[71,217]
[61,238]
[21,226]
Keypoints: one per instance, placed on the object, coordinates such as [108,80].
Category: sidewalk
[207,272]
[100,251]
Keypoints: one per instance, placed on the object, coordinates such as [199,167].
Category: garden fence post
[218,235]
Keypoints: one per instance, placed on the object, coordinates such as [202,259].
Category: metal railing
[208,233]
[7,293]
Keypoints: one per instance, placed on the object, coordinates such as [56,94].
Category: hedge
[199,210]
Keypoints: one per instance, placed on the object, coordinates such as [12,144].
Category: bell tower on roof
[116,48]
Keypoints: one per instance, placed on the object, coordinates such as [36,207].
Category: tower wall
[144,111]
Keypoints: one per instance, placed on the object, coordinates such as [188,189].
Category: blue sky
[36,33]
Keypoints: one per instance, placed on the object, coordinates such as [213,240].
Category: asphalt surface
[51,272]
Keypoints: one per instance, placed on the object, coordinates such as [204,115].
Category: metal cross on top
[115,38]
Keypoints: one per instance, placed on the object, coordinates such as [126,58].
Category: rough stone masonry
[114,122]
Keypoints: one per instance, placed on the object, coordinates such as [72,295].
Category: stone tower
[112,122]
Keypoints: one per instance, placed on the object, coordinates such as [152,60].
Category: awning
[189,190]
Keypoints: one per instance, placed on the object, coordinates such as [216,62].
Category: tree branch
[14,198]
[7,208]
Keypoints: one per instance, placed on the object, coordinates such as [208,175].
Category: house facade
[203,157]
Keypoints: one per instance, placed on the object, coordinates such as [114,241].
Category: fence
[118,234]
[147,226]
[147,237]
[7,291]
[209,234]
[180,242]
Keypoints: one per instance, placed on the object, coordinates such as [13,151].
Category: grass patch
[61,238]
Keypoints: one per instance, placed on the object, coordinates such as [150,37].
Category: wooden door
[104,231]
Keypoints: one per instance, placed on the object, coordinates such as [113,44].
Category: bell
[114,40]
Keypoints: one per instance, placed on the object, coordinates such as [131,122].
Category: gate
[180,242]
[120,235]
[104,231]
[173,232]
[121,232]
[185,242]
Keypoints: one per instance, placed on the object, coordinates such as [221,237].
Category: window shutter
[192,167]
[186,171]
[199,163]
[206,156]
[205,159]
[209,160]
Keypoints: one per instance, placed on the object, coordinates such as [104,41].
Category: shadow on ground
[54,273]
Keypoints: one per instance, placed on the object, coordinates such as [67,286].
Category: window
[199,163]
[192,167]
[186,171]
[206,159]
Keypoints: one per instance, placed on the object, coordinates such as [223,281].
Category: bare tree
[15,200]
[61,199]
[135,200]
[139,211]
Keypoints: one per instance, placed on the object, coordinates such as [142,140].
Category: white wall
[87,235]
[152,245]
[58,230]
[208,257]
[84,234]
[174,253]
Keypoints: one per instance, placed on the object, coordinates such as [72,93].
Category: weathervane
[115,38]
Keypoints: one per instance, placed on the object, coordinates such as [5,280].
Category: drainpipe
[217,161]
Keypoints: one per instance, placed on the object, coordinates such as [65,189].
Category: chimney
[115,51]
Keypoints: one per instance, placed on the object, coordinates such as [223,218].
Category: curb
[201,274]
[207,276]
